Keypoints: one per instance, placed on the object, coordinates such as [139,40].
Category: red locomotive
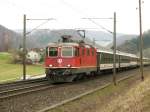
[68,60]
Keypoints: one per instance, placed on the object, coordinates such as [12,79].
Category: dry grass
[131,101]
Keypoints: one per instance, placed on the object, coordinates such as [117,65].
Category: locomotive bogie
[67,74]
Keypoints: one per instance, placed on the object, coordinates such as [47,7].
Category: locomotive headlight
[50,65]
[68,65]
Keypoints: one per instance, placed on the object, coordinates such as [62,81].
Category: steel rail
[21,82]
[25,90]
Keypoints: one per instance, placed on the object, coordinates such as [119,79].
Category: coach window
[46,51]
[53,51]
[102,58]
[107,58]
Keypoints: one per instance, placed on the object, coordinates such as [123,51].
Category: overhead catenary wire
[47,20]
[79,11]
[86,15]
[102,27]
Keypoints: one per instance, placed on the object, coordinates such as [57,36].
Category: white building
[33,56]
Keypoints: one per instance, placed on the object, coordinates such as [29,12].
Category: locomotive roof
[62,44]
[56,44]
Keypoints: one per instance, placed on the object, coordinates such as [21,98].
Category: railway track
[4,86]
[20,82]
[23,87]
[25,90]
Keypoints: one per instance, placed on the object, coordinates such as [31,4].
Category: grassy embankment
[10,71]
[131,95]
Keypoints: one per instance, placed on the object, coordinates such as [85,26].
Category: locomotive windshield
[67,51]
[53,51]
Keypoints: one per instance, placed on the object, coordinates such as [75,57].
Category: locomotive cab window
[46,51]
[53,51]
[67,51]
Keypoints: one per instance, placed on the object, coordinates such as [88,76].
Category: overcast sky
[68,14]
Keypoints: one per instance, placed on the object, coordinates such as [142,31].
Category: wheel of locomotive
[47,72]
[48,77]
[92,74]
[79,76]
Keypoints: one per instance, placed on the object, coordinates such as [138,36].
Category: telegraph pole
[24,40]
[141,42]
[24,47]
[114,51]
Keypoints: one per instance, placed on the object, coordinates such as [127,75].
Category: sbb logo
[59,61]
